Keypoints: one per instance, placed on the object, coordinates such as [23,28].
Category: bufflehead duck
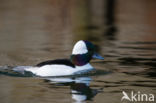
[82,53]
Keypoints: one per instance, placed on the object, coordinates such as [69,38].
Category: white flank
[59,70]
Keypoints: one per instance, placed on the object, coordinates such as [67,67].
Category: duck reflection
[80,89]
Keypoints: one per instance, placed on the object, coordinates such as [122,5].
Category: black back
[57,61]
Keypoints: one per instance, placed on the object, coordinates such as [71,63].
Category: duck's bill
[97,56]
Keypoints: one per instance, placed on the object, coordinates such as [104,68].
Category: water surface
[38,30]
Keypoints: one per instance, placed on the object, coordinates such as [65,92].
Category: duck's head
[83,52]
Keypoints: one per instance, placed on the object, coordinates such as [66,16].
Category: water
[34,31]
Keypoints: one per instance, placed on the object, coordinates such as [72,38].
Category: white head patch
[80,48]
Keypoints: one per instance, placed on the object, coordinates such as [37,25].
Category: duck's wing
[57,62]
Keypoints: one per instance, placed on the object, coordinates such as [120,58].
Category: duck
[83,51]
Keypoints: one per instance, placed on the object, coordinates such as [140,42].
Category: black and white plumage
[82,53]
[57,61]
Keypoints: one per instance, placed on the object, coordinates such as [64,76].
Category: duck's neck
[80,59]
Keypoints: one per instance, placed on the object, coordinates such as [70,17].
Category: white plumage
[80,48]
[59,70]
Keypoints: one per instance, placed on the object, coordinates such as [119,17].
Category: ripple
[8,70]
[139,43]
[137,48]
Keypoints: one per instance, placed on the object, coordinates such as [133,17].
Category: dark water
[32,31]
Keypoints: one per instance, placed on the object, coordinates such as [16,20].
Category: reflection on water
[80,89]
[38,30]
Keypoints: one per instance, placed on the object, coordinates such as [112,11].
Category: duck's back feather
[58,62]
